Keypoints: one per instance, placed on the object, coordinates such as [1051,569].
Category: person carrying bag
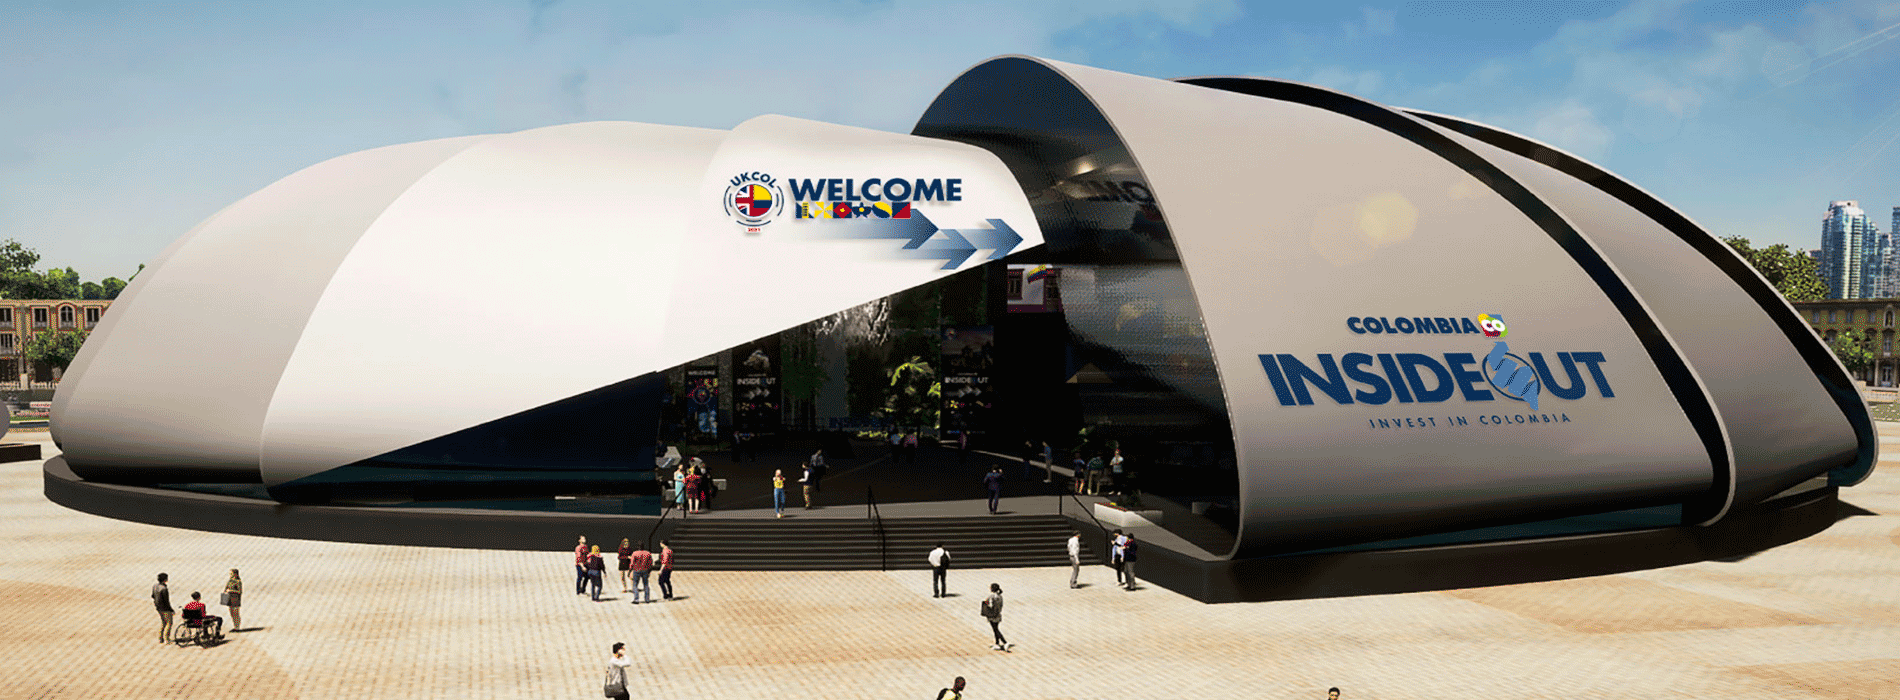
[615,685]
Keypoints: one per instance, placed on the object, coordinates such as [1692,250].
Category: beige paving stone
[1819,618]
[1840,679]
[1619,604]
[65,642]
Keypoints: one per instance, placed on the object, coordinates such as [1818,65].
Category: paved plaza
[1819,618]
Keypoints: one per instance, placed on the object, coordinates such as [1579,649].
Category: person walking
[595,567]
[616,683]
[778,493]
[939,567]
[1116,482]
[818,471]
[963,447]
[232,598]
[642,562]
[1128,561]
[1048,463]
[910,446]
[580,567]
[954,692]
[625,555]
[1096,470]
[993,611]
[1115,557]
[162,599]
[806,481]
[1075,557]
[994,481]
[666,572]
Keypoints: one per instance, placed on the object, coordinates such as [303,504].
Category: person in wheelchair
[195,618]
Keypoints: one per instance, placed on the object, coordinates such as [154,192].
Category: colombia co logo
[753,200]
[1492,325]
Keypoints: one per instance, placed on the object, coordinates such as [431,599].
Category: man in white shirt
[939,566]
[1075,557]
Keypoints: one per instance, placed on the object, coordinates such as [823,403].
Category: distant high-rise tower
[1847,250]
[1881,267]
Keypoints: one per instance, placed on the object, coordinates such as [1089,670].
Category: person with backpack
[993,611]
[954,692]
[616,684]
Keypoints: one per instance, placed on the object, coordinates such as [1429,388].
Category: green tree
[1793,273]
[91,290]
[1855,349]
[64,284]
[110,288]
[55,348]
[915,395]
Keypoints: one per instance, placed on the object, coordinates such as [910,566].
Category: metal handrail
[877,526]
[664,511]
[1085,510]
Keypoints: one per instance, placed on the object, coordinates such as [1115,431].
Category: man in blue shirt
[994,480]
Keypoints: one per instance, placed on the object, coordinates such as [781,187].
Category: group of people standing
[1096,475]
[693,487]
[194,611]
[903,446]
[636,566]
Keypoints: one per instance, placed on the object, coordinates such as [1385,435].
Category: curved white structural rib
[386,298]
[1302,216]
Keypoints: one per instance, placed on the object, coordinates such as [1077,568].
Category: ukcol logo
[753,200]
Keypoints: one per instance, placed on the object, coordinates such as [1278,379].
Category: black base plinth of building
[469,528]
[1291,577]
[19,452]
[1445,567]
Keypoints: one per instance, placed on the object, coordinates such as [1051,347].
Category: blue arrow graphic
[920,237]
[953,247]
[1000,238]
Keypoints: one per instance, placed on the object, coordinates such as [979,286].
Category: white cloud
[1572,126]
[1372,22]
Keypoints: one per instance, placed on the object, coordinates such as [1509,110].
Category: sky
[124,124]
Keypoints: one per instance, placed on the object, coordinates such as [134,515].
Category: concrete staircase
[1001,541]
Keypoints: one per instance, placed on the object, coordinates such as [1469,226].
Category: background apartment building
[21,318]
